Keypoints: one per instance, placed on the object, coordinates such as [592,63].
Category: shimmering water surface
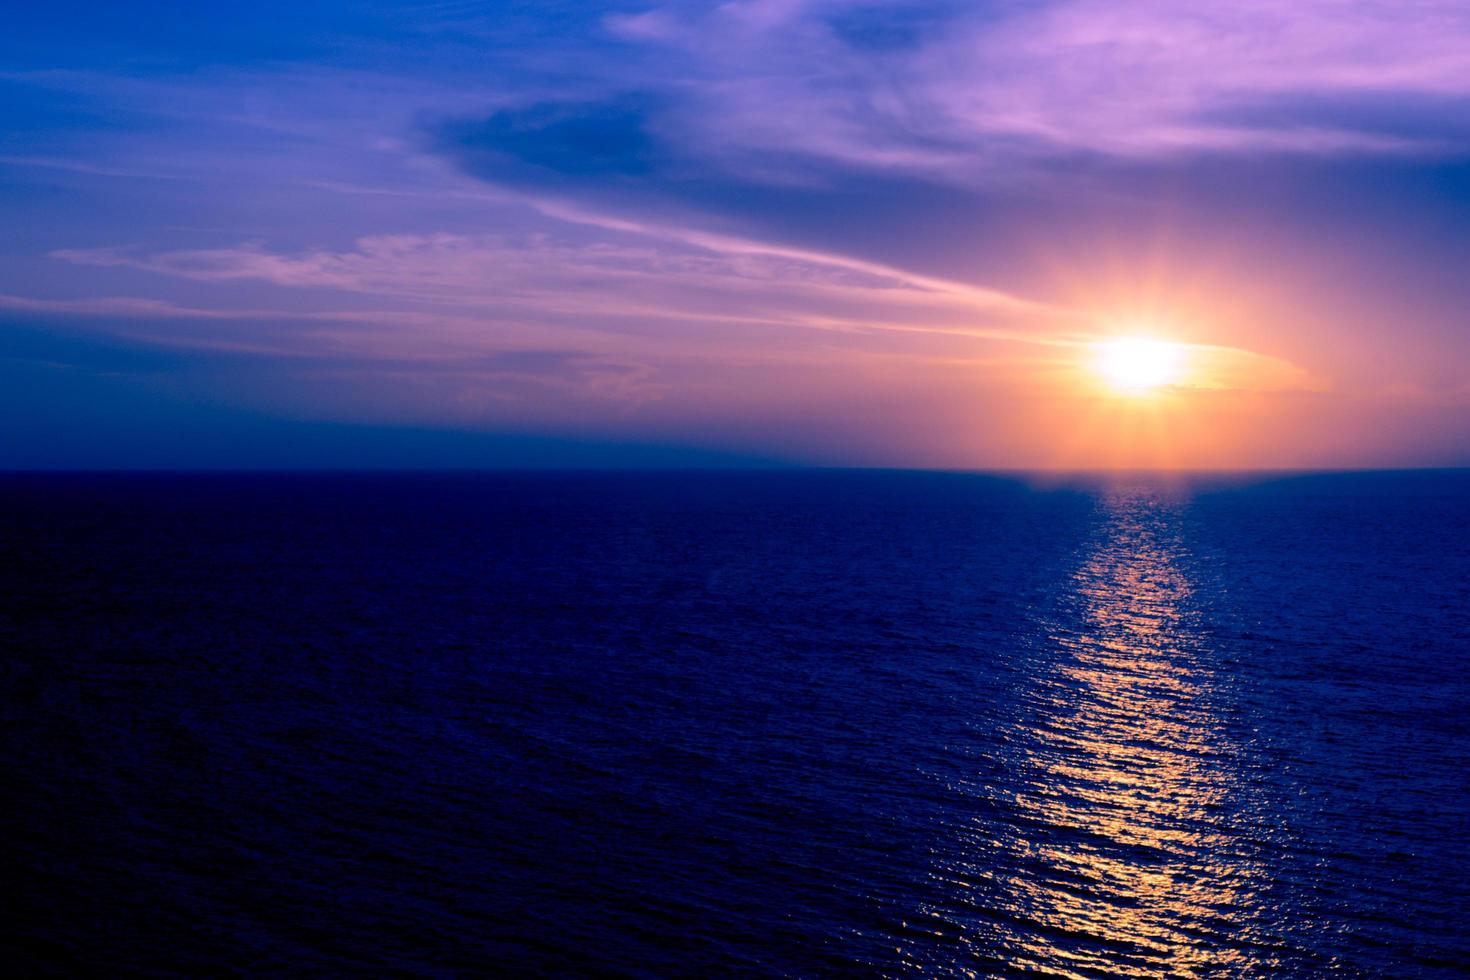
[790,724]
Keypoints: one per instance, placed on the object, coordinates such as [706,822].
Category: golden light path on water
[1111,858]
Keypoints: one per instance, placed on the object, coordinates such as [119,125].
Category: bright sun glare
[1134,364]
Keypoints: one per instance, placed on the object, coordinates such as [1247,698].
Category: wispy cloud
[619,286]
[968,87]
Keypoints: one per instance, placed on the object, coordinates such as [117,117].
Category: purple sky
[756,231]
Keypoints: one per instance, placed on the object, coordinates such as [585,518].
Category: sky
[757,232]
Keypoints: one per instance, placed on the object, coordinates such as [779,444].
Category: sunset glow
[753,232]
[761,488]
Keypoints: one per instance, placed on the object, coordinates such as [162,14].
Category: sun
[1136,365]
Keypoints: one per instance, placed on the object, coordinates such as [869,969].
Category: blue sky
[800,231]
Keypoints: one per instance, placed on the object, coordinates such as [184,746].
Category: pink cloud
[695,281]
[1124,77]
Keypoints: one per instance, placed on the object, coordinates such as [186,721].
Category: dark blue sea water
[713,724]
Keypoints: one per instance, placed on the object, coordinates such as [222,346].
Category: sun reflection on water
[1101,847]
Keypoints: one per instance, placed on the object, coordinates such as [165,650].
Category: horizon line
[719,468]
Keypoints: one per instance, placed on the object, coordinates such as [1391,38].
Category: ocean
[784,723]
